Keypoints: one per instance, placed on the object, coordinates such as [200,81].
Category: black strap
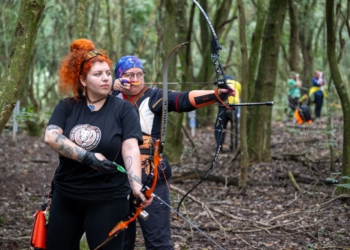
[146,151]
[47,180]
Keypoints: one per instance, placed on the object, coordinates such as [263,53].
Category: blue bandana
[125,63]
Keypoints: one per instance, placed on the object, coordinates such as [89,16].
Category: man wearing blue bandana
[130,85]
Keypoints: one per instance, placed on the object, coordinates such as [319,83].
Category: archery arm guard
[188,101]
[202,98]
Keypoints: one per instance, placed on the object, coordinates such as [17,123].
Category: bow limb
[165,95]
[120,227]
[159,144]
[215,56]
[137,210]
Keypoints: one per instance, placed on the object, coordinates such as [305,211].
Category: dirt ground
[272,214]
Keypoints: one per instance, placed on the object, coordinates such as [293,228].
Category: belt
[146,151]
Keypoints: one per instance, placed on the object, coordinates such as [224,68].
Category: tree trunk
[255,47]
[121,29]
[254,57]
[243,178]
[80,19]
[110,34]
[341,90]
[306,37]
[173,149]
[22,43]
[294,43]
[260,132]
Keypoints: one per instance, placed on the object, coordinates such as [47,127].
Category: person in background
[317,92]
[302,113]
[294,85]
[89,131]
[231,116]
[130,86]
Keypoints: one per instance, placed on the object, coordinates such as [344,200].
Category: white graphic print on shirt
[86,136]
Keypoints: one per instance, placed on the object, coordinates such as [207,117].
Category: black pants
[227,116]
[155,230]
[318,105]
[70,218]
[293,103]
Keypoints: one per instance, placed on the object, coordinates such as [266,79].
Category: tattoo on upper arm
[131,176]
[51,127]
[80,153]
[128,163]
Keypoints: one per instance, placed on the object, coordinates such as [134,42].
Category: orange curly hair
[74,65]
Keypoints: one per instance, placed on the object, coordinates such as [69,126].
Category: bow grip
[221,84]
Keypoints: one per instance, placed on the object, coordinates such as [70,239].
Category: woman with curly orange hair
[88,193]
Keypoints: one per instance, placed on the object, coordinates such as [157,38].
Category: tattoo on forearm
[136,178]
[80,153]
[128,164]
[59,138]
[65,150]
[62,148]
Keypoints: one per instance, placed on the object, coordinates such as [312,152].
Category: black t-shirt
[101,131]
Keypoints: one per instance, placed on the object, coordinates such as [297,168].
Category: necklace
[91,106]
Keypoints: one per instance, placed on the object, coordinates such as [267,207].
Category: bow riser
[157,158]
[220,75]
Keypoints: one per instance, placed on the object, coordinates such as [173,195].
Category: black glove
[104,166]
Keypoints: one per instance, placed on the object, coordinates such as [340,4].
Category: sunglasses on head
[94,53]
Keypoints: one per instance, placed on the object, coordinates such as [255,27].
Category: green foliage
[8,15]
[332,180]
[336,181]
[27,115]
[344,185]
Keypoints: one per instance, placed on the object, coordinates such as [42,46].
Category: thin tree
[341,90]
[172,150]
[254,56]
[244,96]
[24,35]
[80,19]
[294,44]
[260,129]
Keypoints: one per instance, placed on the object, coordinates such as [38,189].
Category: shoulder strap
[139,95]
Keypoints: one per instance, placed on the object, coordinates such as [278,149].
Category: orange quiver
[38,237]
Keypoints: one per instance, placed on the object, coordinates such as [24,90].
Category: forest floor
[272,213]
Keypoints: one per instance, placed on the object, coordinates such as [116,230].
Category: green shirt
[294,91]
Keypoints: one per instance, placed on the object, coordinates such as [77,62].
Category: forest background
[262,41]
